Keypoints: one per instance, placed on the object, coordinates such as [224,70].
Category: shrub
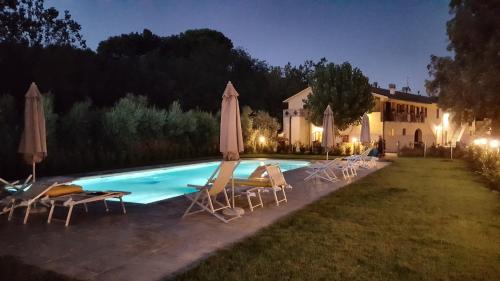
[486,162]
[411,151]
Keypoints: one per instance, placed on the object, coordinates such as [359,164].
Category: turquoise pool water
[153,185]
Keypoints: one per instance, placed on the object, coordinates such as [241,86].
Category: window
[437,113]
[345,138]
[404,132]
[425,112]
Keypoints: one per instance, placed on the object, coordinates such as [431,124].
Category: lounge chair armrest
[199,187]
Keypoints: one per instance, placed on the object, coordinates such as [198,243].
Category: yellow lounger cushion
[257,182]
[64,190]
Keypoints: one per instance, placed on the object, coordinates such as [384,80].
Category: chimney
[375,84]
[392,88]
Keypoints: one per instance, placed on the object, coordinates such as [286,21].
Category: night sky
[390,41]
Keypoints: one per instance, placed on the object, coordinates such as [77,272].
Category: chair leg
[249,202]
[51,212]
[260,198]
[12,207]
[210,204]
[123,205]
[68,217]
[276,197]
[228,203]
[106,205]
[193,202]
[26,215]
[86,208]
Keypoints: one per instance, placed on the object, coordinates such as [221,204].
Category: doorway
[418,138]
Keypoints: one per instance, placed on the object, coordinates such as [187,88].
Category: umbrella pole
[34,176]
[326,154]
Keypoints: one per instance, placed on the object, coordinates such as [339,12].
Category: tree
[342,87]
[468,82]
[29,22]
[129,45]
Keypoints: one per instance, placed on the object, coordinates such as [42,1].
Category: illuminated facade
[402,119]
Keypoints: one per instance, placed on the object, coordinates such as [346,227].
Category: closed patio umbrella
[231,137]
[328,140]
[365,130]
[33,144]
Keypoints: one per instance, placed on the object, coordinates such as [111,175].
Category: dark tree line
[138,99]
[192,67]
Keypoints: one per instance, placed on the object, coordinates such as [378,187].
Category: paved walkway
[150,242]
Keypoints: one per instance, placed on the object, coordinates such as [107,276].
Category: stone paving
[151,241]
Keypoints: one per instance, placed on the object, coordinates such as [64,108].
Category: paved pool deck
[150,242]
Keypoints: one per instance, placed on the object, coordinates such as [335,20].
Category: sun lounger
[252,186]
[206,196]
[326,170]
[362,160]
[27,198]
[267,177]
[343,166]
[15,184]
[278,183]
[83,198]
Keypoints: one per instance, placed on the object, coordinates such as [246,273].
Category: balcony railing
[404,117]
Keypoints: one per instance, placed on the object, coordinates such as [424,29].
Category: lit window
[392,132]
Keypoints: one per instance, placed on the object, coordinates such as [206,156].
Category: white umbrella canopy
[328,140]
[231,137]
[365,129]
[33,143]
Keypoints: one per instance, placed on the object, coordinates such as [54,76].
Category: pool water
[153,185]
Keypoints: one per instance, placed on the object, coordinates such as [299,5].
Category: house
[399,117]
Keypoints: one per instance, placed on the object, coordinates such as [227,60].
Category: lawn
[418,219]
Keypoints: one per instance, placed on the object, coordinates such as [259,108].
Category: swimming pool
[148,186]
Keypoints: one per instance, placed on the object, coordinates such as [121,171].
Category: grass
[418,219]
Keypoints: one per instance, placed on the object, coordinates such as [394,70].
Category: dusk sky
[390,41]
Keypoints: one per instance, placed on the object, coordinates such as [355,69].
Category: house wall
[434,130]
[394,134]
[376,128]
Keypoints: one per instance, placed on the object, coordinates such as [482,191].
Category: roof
[404,96]
[398,95]
[305,92]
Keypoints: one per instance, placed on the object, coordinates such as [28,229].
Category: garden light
[354,140]
[446,122]
[262,140]
[481,141]
[494,143]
